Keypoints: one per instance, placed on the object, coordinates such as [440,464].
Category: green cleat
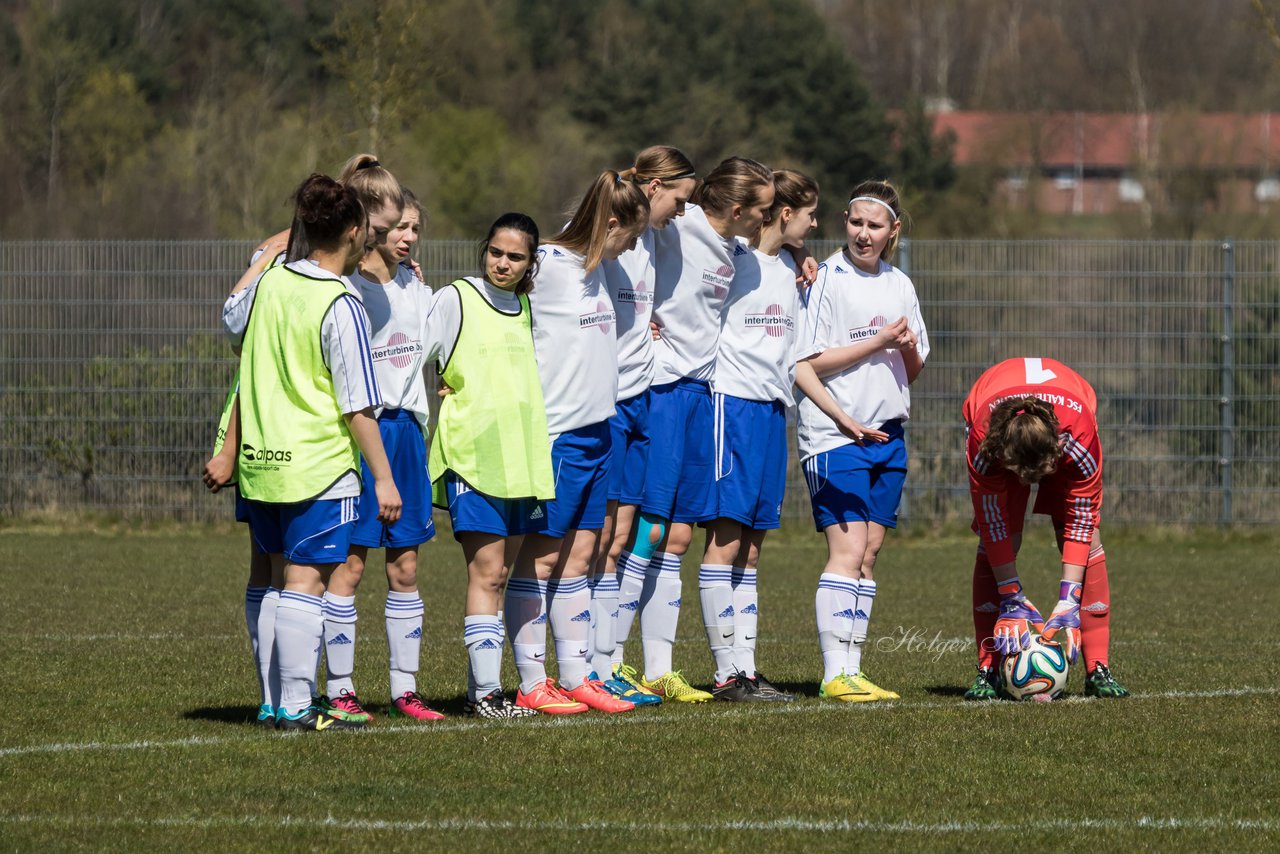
[1100,683]
[986,685]
[673,686]
[344,707]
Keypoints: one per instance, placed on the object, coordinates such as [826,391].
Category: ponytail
[323,211]
[1022,435]
[661,162]
[376,186]
[736,181]
[609,196]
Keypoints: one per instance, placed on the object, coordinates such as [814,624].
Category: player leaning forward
[307,397]
[1035,421]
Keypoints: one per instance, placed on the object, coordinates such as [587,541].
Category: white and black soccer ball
[1037,673]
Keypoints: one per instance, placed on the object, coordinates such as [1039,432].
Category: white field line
[889,644]
[1146,823]
[711,713]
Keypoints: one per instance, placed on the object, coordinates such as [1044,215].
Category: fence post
[1225,402]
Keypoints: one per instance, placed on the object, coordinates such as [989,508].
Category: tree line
[186,119]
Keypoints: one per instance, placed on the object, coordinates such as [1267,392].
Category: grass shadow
[945,690]
[801,690]
[223,714]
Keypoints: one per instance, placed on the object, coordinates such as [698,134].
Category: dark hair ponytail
[323,211]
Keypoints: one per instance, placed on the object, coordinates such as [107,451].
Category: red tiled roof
[1114,140]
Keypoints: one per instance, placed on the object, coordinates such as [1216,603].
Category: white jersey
[444,318]
[694,266]
[573,336]
[397,318]
[630,281]
[846,306]
[756,356]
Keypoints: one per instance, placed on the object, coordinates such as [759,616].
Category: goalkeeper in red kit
[1034,421]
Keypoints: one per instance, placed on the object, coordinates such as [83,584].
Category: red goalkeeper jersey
[1072,495]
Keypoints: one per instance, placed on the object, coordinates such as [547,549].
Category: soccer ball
[1037,673]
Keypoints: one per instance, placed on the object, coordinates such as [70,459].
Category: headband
[368,164]
[881,202]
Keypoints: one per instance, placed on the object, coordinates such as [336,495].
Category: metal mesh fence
[113,369]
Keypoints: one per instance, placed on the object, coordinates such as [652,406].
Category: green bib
[492,430]
[294,441]
[225,420]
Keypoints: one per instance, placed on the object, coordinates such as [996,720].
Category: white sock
[715,589]
[526,613]
[861,617]
[746,610]
[299,626]
[268,663]
[339,643]
[569,610]
[660,614]
[252,611]
[834,604]
[631,575]
[482,633]
[604,617]
[403,613]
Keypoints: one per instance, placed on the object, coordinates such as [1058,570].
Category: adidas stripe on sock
[715,590]
[660,615]
[746,610]
[569,613]
[403,613]
[604,616]
[631,583]
[525,612]
[834,604]
[861,617]
[339,643]
[482,634]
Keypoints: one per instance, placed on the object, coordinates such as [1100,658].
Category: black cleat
[737,689]
[767,690]
[314,720]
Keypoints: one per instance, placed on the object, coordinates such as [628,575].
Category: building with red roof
[1086,163]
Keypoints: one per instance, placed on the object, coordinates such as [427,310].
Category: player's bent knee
[650,530]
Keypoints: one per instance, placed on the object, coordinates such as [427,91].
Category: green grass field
[129,685]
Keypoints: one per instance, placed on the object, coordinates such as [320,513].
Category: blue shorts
[630,428]
[242,507]
[309,532]
[407,452]
[859,484]
[751,460]
[679,480]
[580,459]
[484,514]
